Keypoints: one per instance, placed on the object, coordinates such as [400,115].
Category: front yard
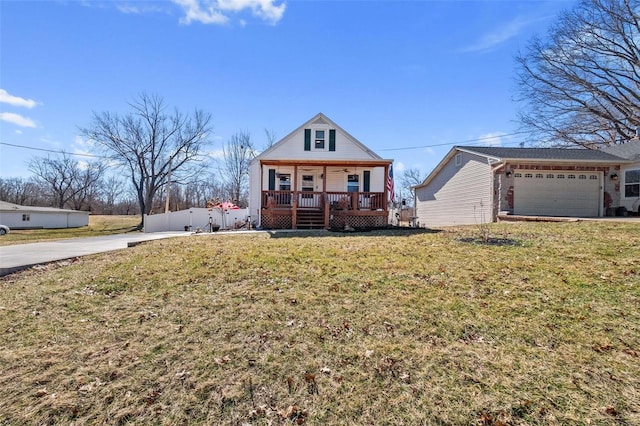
[542,326]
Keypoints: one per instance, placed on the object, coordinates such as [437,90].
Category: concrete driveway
[21,256]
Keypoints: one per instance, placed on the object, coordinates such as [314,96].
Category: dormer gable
[319,138]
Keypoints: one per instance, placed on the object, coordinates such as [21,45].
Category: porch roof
[329,163]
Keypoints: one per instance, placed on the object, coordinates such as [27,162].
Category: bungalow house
[27,217]
[318,176]
[474,185]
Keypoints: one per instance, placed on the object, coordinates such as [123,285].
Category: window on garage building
[26,218]
[632,183]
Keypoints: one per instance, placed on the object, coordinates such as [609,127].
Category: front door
[308,185]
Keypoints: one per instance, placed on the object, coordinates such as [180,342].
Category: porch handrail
[337,200]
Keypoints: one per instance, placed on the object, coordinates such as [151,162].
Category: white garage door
[555,193]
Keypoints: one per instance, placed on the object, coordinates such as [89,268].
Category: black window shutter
[272,179]
[366,185]
[307,139]
[332,140]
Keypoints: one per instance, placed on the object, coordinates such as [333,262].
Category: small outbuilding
[16,216]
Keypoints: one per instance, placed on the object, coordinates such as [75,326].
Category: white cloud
[499,35]
[17,119]
[140,8]
[429,151]
[218,11]
[216,154]
[7,98]
[398,167]
[492,139]
[84,146]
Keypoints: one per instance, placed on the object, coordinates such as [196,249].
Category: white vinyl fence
[194,219]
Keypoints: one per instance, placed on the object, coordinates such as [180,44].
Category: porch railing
[335,200]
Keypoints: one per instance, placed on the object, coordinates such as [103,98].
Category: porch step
[310,219]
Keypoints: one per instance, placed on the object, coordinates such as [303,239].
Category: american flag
[390,184]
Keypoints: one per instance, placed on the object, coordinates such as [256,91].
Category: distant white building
[27,217]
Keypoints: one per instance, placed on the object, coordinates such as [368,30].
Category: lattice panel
[339,222]
[276,222]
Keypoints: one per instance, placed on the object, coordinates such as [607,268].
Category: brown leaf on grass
[294,414]
[611,411]
[312,386]
[631,352]
[41,392]
[602,348]
[225,359]
[258,412]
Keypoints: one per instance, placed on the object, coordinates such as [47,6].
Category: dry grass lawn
[98,225]
[385,327]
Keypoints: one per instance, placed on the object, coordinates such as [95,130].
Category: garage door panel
[557,193]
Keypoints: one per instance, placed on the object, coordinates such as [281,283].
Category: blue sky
[394,74]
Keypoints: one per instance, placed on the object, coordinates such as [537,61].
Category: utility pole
[166,206]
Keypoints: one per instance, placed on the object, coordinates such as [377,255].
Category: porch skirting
[337,219]
[340,221]
[276,219]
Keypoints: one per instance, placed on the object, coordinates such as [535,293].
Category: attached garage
[557,193]
[520,181]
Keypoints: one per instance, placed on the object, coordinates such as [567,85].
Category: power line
[52,150]
[454,143]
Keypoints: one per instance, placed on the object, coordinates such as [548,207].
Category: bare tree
[151,144]
[270,136]
[67,182]
[202,189]
[581,86]
[25,192]
[113,188]
[409,178]
[237,154]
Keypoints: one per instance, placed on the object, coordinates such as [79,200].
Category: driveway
[21,256]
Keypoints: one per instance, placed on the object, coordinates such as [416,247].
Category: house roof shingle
[629,150]
[550,154]
[10,207]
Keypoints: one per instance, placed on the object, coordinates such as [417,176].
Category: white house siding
[457,195]
[254,190]
[44,220]
[293,147]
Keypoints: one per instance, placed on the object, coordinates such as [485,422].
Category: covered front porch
[329,195]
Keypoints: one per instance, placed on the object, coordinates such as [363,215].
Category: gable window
[458,160]
[319,139]
[353,183]
[632,183]
[26,218]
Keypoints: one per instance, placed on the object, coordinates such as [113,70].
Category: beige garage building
[474,185]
